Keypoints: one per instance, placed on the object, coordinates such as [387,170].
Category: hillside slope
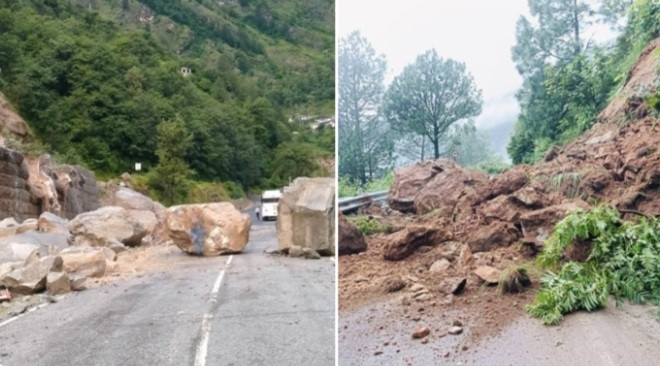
[443,211]
[95,78]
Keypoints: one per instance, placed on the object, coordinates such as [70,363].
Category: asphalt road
[629,335]
[247,309]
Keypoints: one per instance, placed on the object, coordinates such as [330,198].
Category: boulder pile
[55,255]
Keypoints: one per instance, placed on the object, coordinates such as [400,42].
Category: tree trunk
[576,28]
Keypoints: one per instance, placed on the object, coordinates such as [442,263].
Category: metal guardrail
[350,204]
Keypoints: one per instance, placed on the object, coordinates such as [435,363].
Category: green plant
[369,226]
[350,189]
[568,183]
[517,277]
[624,262]
[492,167]
[201,192]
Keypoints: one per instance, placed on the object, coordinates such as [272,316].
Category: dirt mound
[502,220]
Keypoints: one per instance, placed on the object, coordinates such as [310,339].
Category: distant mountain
[499,136]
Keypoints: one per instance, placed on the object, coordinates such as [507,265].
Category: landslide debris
[449,220]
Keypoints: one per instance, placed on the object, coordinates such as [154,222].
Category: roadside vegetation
[95,80]
[370,225]
[567,77]
[623,261]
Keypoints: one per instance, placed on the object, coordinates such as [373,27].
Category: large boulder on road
[306,215]
[208,229]
[109,225]
[351,240]
[136,201]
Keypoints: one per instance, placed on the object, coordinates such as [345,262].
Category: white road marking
[218,281]
[203,344]
[20,315]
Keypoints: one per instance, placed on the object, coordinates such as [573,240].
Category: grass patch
[568,183]
[369,226]
[351,189]
[517,277]
[624,262]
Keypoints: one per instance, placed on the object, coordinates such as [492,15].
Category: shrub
[624,261]
[201,192]
[369,226]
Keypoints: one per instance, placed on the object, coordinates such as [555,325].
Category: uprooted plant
[624,262]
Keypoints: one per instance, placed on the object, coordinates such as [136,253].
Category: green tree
[170,177]
[364,138]
[430,95]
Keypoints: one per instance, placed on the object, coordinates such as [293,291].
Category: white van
[269,201]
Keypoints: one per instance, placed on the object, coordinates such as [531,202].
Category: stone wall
[15,198]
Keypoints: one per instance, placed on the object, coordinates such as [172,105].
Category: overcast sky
[477,32]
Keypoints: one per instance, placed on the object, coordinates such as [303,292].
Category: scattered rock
[539,224]
[453,285]
[106,225]
[86,261]
[455,330]
[393,284]
[351,240]
[27,225]
[57,283]
[404,242]
[488,274]
[309,253]
[497,234]
[51,223]
[552,154]
[295,251]
[77,282]
[421,332]
[439,266]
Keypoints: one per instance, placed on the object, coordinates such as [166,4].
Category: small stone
[77,282]
[488,274]
[457,323]
[440,266]
[425,340]
[377,353]
[417,318]
[417,287]
[309,253]
[295,251]
[421,332]
[405,301]
[455,330]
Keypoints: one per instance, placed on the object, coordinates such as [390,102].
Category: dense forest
[567,77]
[96,78]
[428,110]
